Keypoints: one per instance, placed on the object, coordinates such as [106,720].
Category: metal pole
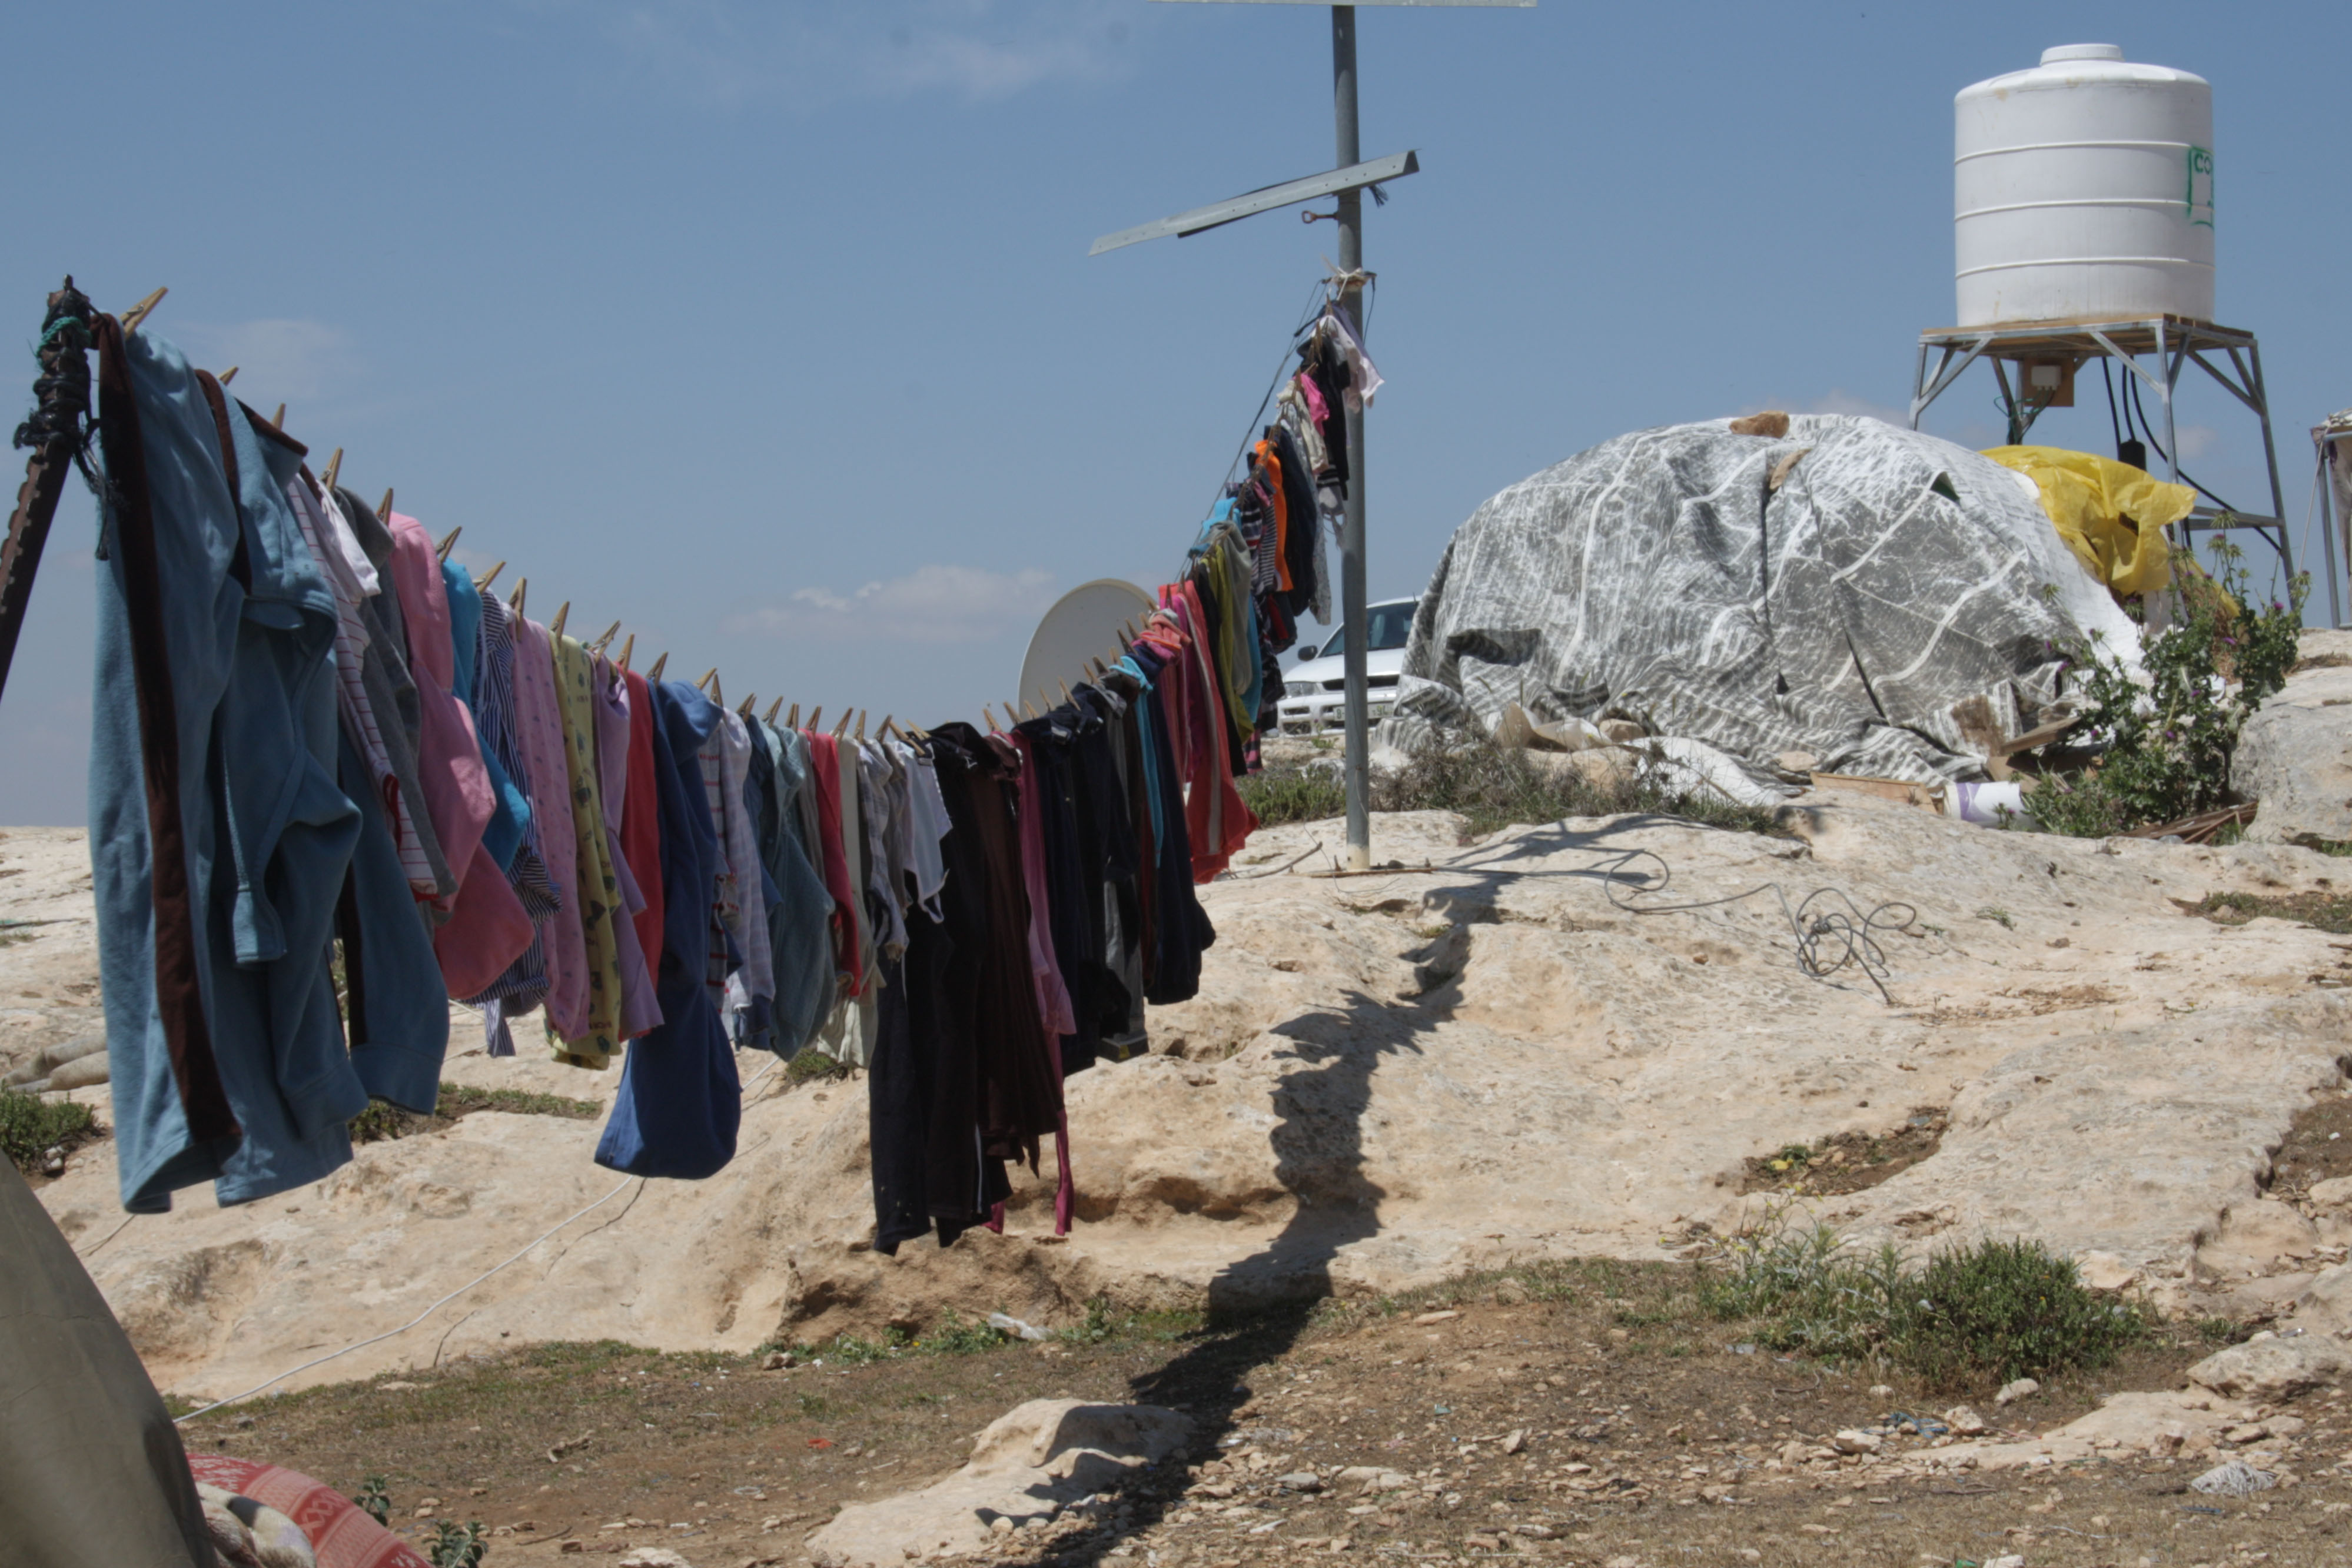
[1358,760]
[2328,523]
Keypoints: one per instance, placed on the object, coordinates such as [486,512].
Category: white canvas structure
[1885,580]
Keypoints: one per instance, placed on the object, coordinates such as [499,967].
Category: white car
[1314,691]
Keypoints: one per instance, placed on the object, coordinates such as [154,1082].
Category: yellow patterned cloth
[600,889]
[2111,515]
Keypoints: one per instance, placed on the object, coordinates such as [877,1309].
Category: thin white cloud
[277,360]
[731,53]
[935,604]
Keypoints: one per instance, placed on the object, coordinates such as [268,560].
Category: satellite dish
[1085,623]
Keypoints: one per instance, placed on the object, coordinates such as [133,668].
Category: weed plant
[1493,787]
[1981,1313]
[1286,794]
[2169,734]
[30,1127]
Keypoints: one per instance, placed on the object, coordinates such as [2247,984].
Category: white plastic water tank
[2084,190]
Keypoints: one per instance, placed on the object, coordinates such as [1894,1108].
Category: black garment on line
[1181,931]
[1298,502]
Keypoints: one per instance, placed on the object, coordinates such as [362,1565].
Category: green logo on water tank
[2199,196]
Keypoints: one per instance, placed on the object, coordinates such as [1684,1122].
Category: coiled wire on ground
[1842,935]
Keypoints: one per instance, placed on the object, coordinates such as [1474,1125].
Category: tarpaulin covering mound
[1845,590]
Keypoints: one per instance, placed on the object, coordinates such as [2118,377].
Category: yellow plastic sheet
[2111,515]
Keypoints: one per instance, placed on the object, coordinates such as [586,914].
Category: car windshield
[1392,627]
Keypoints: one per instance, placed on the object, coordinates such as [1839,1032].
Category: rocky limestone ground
[1585,1413]
[1573,1040]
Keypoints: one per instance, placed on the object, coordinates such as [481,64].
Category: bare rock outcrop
[2294,754]
[1029,1464]
[1529,1046]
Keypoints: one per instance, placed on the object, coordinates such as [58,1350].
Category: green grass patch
[1981,1313]
[1500,786]
[381,1120]
[2321,910]
[814,1066]
[31,1126]
[1279,794]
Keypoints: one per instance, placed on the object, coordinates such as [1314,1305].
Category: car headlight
[1299,688]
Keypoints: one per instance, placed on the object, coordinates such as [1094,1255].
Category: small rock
[1300,1481]
[1516,1442]
[2024,1387]
[1854,1441]
[571,1546]
[2332,1193]
[1965,1422]
[2236,1478]
[2006,1559]
[1001,1525]
[1482,1543]
[654,1557]
[1880,1391]
[2286,1425]
[2248,1432]
[777,1361]
[1534,1531]
[1511,1293]
[1428,1317]
[2270,1368]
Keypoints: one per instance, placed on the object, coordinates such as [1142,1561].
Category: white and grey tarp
[1838,591]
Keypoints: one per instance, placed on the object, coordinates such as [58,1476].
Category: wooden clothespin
[654,673]
[861,726]
[562,614]
[514,601]
[383,515]
[142,310]
[816,717]
[1066,694]
[744,711]
[447,541]
[482,583]
[601,644]
[627,648]
[891,729]
[793,719]
[842,727]
[334,467]
[773,708]
[991,717]
[226,376]
[278,420]
[1026,710]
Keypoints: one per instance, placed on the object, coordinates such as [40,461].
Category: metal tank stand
[2175,342]
[2334,441]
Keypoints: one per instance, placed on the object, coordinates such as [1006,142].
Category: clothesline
[317,734]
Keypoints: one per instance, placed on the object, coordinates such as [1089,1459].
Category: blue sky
[771,329]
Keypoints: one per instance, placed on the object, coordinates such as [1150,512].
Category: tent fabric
[2111,515]
[1845,590]
[91,1469]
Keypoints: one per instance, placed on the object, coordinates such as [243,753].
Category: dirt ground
[1585,1413]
